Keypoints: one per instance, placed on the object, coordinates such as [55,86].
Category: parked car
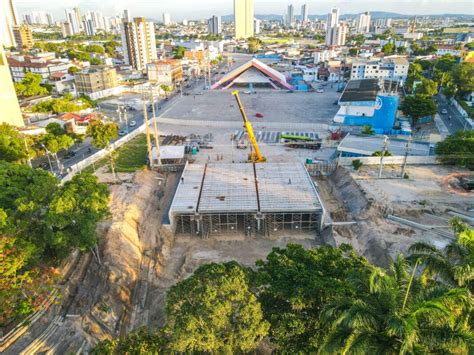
[444,111]
[70,154]
[319,91]
[132,123]
[259,115]
[122,132]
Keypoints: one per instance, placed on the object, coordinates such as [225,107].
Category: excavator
[255,155]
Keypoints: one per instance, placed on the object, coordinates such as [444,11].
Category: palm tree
[454,264]
[392,313]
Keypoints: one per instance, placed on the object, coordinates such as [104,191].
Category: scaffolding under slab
[255,199]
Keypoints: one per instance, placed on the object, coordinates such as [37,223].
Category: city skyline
[183,9]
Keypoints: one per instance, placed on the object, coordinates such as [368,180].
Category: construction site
[233,193]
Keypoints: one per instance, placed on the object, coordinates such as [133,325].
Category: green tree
[73,70]
[74,211]
[178,52]
[30,86]
[102,134]
[378,153]
[14,147]
[392,313]
[428,88]
[56,140]
[457,149]
[415,73]
[453,264]
[52,218]
[213,311]
[295,285]
[166,88]
[254,44]
[418,106]
[401,50]
[353,51]
[463,76]
[138,342]
[366,129]
[389,48]
[94,48]
[446,63]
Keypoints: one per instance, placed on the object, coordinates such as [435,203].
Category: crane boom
[256,156]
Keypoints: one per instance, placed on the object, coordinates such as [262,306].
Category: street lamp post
[49,159]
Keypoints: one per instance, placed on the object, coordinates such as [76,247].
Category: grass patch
[275,40]
[130,157]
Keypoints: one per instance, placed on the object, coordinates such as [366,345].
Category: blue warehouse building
[364,102]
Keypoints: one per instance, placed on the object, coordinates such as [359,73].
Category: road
[85,149]
[453,120]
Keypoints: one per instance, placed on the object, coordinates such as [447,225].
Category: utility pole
[126,118]
[147,130]
[27,152]
[407,149]
[385,145]
[155,126]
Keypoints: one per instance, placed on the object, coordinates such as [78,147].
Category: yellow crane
[255,155]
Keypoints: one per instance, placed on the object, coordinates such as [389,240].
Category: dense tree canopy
[213,311]
[463,76]
[392,313]
[296,284]
[418,106]
[428,88]
[30,86]
[457,149]
[254,44]
[178,52]
[12,144]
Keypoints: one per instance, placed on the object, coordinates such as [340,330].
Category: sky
[197,9]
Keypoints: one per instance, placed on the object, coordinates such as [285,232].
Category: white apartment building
[19,65]
[395,68]
[138,43]
[71,18]
[166,19]
[335,32]
[8,19]
[323,55]
[363,23]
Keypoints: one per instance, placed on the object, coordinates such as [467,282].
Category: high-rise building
[23,37]
[41,18]
[244,18]
[71,18]
[126,16]
[27,19]
[290,15]
[66,29]
[11,112]
[333,18]
[89,27]
[256,25]
[335,32]
[77,11]
[336,36]
[49,18]
[304,13]
[214,25]
[8,19]
[363,23]
[138,42]
[166,19]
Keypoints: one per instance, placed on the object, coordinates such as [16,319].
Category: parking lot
[275,106]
